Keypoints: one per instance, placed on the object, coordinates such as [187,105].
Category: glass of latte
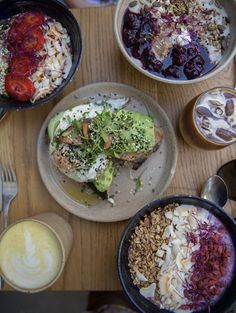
[33,252]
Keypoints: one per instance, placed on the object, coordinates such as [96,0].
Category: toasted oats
[146,240]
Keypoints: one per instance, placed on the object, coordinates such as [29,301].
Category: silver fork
[9,190]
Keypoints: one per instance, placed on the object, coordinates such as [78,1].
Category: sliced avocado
[52,125]
[104,181]
[140,136]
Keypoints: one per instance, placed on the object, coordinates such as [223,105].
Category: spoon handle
[1,283]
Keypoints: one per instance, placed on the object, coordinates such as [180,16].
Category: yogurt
[30,255]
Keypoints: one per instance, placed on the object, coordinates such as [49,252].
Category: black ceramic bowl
[59,12]
[229,297]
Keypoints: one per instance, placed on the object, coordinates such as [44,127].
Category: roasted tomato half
[23,65]
[15,35]
[31,19]
[33,40]
[19,87]
[22,25]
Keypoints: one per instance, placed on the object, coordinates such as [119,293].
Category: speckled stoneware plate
[157,171]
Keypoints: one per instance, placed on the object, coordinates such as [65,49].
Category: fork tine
[13,175]
[5,174]
[9,174]
[1,170]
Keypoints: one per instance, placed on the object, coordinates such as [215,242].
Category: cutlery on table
[9,189]
[215,190]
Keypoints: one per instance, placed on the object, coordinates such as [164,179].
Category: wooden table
[91,265]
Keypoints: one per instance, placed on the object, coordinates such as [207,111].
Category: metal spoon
[215,190]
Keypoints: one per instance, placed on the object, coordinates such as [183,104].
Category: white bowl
[230,7]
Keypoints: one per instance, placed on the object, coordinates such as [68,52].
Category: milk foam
[30,255]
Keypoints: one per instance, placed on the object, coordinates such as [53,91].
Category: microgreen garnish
[138,182]
[129,132]
[77,124]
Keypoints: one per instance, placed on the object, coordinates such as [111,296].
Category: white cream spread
[30,255]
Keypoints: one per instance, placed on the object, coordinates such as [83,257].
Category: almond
[229,108]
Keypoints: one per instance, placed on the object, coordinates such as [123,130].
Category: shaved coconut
[55,30]
[176,220]
[176,246]
[168,256]
[182,227]
[184,209]
[179,234]
[67,67]
[56,59]
[178,260]
[140,277]
[169,215]
[176,293]
[160,262]
[187,264]
[203,215]
[148,292]
[184,251]
[164,283]
[176,241]
[164,246]
[58,81]
[45,83]
[193,222]
[160,253]
[169,231]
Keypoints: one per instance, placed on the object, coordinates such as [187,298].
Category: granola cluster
[145,242]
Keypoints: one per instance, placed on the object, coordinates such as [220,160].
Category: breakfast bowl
[41,47]
[178,254]
[176,42]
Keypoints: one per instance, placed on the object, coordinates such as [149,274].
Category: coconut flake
[140,277]
[148,292]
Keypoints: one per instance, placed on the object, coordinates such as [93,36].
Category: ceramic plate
[156,173]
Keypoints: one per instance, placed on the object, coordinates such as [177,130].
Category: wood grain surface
[91,265]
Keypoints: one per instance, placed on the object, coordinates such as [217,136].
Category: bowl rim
[133,222]
[210,74]
[56,92]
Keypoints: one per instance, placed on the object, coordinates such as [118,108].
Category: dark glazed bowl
[227,300]
[59,12]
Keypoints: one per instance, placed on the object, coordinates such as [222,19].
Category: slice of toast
[137,159]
